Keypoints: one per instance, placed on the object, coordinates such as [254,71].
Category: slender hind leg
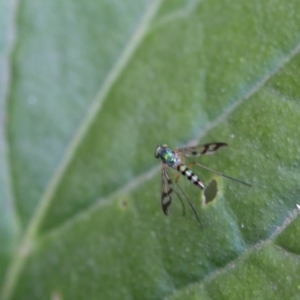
[183,207]
[190,203]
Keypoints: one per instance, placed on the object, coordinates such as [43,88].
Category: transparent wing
[205,149]
[167,189]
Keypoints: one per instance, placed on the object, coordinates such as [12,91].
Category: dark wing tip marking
[166,200]
[167,190]
[212,147]
[165,206]
[208,148]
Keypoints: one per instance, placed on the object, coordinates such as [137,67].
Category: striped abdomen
[184,170]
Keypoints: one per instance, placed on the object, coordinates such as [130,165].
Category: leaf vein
[18,260]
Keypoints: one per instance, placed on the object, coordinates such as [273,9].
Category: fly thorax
[169,157]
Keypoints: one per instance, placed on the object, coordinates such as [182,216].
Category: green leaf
[88,89]
[8,220]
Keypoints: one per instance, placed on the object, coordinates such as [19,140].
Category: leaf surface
[94,87]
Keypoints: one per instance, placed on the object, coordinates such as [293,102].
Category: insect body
[173,159]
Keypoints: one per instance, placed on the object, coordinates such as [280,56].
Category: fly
[174,159]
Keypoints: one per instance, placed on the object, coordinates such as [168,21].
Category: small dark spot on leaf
[123,203]
[211,191]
